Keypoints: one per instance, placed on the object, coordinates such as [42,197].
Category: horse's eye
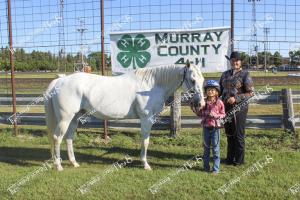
[193,81]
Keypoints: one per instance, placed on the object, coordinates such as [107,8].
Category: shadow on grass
[132,134]
[27,156]
[135,153]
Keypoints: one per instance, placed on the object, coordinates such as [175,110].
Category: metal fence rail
[253,121]
[164,122]
[27,99]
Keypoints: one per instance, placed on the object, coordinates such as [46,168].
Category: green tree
[277,59]
[95,60]
[267,55]
[245,59]
[294,57]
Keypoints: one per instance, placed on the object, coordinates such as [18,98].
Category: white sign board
[205,48]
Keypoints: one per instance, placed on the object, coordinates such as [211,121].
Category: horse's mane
[162,75]
[159,75]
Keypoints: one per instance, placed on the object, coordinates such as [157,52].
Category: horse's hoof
[147,167]
[75,164]
[59,168]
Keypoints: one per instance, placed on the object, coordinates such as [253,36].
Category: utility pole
[106,137]
[81,30]
[266,32]
[12,65]
[254,46]
[232,26]
[61,40]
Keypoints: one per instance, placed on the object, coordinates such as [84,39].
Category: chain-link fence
[65,36]
[57,35]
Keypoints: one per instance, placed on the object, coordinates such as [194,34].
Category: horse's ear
[188,64]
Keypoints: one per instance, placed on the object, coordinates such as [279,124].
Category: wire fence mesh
[50,35]
[62,36]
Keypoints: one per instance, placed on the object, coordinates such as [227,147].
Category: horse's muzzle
[196,102]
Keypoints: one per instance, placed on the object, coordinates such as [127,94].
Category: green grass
[23,91]
[54,74]
[253,74]
[32,87]
[278,87]
[41,88]
[32,75]
[21,155]
[40,74]
[25,87]
[32,109]
[255,109]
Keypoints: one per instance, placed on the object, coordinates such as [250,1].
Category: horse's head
[193,84]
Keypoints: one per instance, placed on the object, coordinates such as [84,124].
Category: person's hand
[231,100]
[203,105]
[212,114]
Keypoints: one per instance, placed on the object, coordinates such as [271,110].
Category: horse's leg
[71,152]
[69,141]
[146,125]
[60,131]
[57,158]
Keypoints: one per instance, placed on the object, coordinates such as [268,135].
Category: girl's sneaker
[215,173]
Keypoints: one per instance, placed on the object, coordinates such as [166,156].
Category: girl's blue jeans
[211,141]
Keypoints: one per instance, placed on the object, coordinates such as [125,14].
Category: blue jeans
[211,141]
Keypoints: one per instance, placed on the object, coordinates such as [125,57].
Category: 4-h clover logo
[133,51]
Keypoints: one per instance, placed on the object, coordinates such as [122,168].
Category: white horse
[137,94]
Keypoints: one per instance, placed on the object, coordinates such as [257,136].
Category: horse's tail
[51,121]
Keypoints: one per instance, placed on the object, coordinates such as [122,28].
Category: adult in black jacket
[236,86]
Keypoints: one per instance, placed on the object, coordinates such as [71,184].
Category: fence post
[288,110]
[175,122]
[12,67]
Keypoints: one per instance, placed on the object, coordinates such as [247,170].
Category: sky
[36,23]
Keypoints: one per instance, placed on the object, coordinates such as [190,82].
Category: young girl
[210,114]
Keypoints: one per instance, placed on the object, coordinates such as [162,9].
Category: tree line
[47,61]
